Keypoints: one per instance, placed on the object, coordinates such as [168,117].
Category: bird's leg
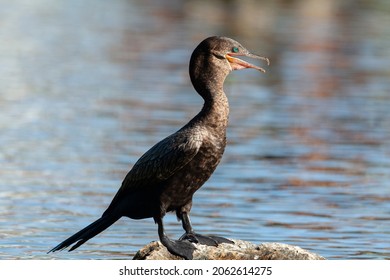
[186,222]
[181,248]
[193,237]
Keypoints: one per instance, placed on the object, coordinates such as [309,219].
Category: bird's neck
[208,80]
[215,112]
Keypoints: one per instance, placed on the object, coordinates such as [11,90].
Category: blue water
[86,87]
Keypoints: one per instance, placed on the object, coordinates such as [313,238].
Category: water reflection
[87,87]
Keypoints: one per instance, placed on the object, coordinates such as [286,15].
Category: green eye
[235,49]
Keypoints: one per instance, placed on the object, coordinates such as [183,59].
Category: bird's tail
[87,233]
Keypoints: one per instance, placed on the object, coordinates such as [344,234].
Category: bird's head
[215,57]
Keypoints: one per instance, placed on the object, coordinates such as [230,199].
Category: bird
[165,178]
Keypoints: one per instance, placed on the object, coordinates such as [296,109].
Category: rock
[240,250]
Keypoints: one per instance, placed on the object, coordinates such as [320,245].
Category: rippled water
[86,87]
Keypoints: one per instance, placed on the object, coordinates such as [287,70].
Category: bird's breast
[181,186]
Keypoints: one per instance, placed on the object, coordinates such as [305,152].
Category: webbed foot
[181,248]
[209,240]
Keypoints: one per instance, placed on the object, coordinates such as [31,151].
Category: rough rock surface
[240,250]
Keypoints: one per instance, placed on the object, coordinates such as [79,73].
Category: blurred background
[86,87]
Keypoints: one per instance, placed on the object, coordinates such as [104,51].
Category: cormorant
[166,177]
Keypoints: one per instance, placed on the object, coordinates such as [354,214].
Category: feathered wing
[158,164]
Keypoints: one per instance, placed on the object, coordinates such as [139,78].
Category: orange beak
[238,64]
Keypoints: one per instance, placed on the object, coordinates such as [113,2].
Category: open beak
[238,64]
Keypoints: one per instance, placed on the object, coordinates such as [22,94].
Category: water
[88,86]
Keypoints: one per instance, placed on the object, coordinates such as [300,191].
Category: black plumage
[165,178]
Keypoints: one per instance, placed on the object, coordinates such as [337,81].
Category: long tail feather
[86,233]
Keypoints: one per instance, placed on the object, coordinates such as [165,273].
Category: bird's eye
[235,49]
